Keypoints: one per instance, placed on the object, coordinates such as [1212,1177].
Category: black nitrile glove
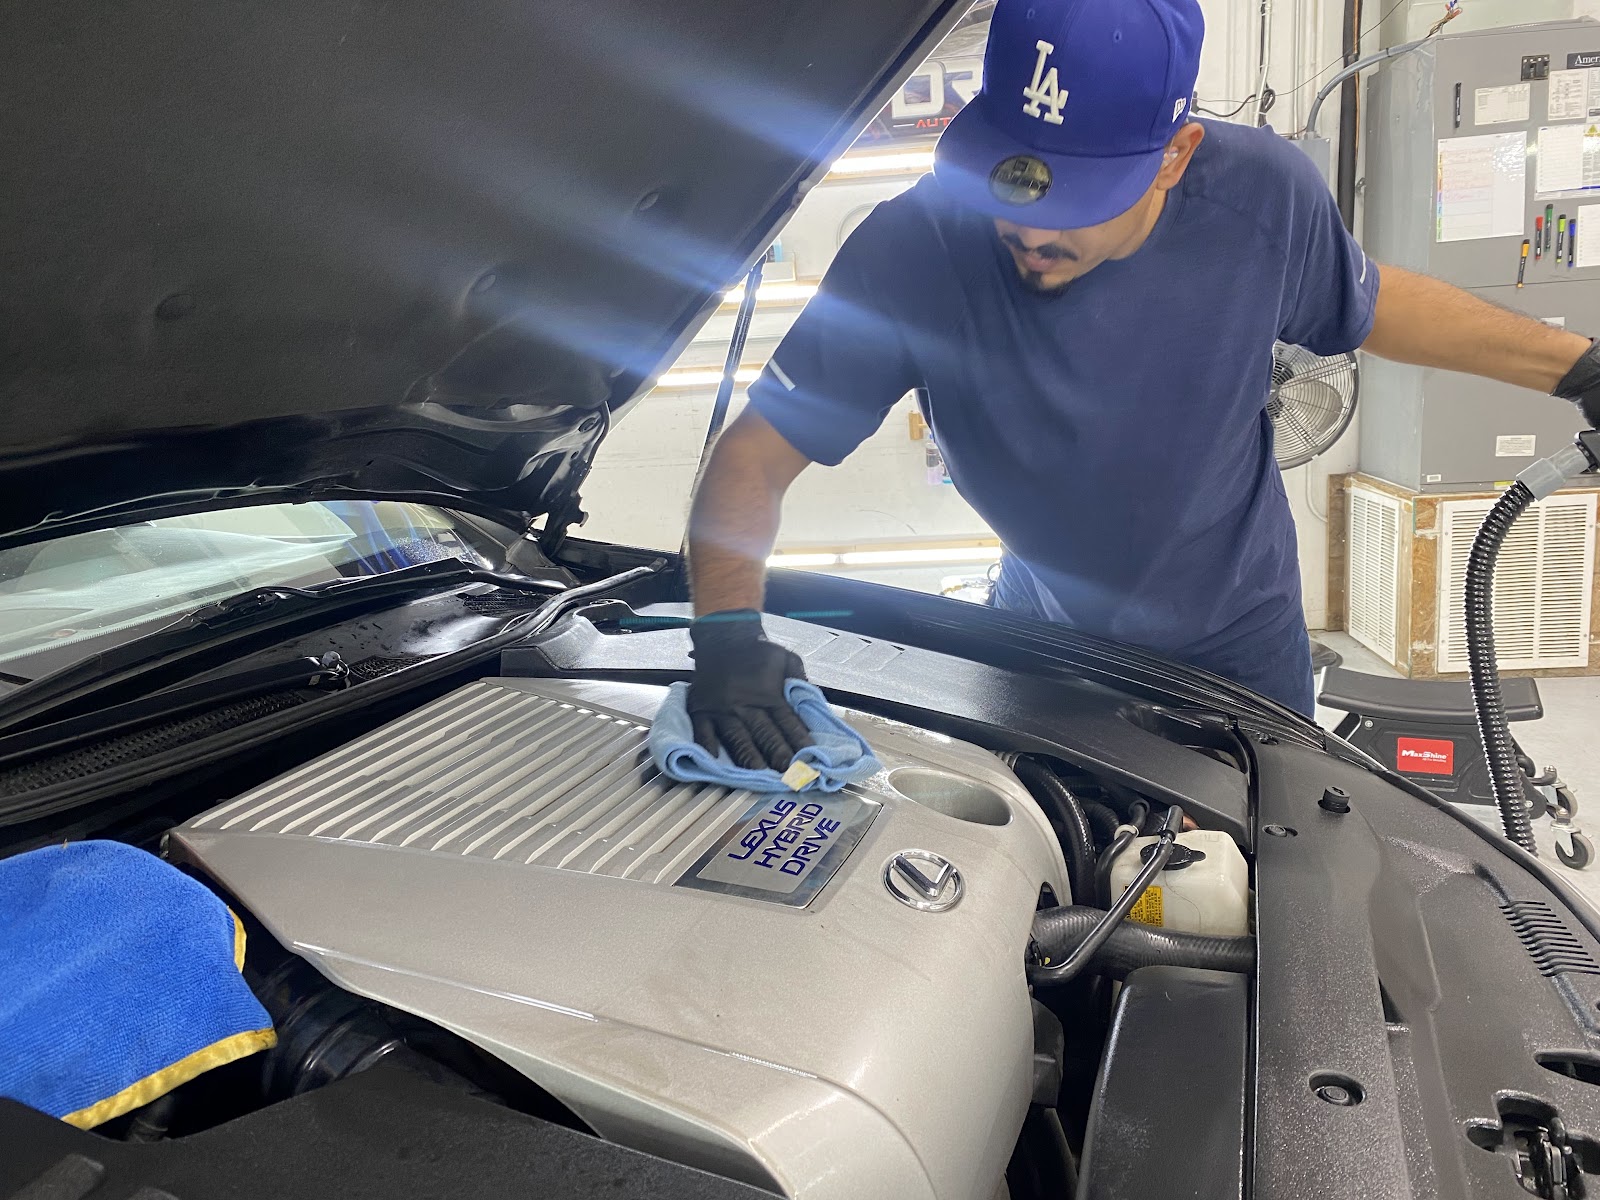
[736,697]
[1582,385]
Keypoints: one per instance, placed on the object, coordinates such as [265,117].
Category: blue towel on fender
[840,755]
[119,980]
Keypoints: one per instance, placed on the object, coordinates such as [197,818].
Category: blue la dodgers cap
[1079,99]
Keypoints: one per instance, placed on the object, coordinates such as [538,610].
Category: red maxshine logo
[1426,756]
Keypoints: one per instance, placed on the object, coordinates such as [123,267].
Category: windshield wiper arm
[247,606]
[328,673]
[217,621]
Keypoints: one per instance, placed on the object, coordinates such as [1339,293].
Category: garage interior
[397,804]
[1384,515]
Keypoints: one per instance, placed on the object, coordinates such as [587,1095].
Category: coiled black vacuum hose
[1542,479]
[1505,775]
[1058,931]
[1057,800]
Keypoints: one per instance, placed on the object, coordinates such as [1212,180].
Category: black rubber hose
[1505,775]
[1108,860]
[1103,821]
[1059,931]
[1052,969]
[1057,800]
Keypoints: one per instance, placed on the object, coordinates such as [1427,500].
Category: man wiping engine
[1086,293]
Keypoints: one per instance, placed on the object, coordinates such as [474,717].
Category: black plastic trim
[1169,1106]
[385,1134]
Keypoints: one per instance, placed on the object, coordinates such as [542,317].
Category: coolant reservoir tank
[1205,888]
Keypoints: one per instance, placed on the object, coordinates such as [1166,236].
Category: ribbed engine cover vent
[499,773]
[1548,941]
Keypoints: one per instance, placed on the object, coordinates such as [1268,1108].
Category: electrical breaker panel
[1483,170]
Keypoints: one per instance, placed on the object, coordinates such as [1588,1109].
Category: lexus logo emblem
[924,881]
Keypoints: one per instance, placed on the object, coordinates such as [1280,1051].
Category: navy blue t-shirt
[1114,435]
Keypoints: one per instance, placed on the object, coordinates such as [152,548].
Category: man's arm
[834,376]
[1431,324]
[737,699]
[733,525]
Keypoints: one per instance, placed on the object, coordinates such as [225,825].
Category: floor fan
[1312,401]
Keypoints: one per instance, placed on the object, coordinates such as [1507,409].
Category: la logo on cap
[1045,91]
[1131,66]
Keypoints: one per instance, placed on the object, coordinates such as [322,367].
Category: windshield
[65,599]
[890,513]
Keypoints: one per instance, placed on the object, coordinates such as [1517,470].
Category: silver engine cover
[506,862]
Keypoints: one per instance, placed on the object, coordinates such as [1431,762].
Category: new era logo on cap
[1021,179]
[1089,92]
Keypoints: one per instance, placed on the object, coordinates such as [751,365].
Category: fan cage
[1312,402]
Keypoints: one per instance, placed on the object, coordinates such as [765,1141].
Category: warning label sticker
[1147,908]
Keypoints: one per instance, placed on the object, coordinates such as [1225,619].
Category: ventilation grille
[496,771]
[1374,570]
[1548,941]
[496,604]
[130,747]
[378,665]
[1543,583]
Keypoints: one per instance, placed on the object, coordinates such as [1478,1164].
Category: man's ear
[1178,154]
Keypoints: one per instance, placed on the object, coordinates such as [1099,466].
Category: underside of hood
[394,248]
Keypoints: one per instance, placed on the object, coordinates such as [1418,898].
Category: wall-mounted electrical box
[1471,141]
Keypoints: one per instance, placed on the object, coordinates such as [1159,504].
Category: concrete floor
[1564,738]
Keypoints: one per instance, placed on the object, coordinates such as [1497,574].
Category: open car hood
[402,249]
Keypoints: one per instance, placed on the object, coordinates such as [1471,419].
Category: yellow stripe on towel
[238,941]
[159,1083]
[137,1095]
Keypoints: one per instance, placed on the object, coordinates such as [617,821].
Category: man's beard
[1034,282]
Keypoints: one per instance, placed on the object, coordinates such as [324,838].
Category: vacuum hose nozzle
[1534,483]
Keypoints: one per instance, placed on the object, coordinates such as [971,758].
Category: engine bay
[719,978]
[473,906]
[814,995]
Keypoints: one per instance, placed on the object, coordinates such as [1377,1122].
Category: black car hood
[392,248]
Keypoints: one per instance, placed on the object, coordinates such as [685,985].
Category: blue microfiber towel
[119,980]
[840,755]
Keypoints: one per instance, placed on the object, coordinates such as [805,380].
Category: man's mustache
[1049,250]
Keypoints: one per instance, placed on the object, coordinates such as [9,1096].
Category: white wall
[1418,16]
[640,488]
[639,491]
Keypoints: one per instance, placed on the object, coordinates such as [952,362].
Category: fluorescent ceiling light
[694,379]
[912,558]
[775,292]
[883,164]
[886,558]
[803,560]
